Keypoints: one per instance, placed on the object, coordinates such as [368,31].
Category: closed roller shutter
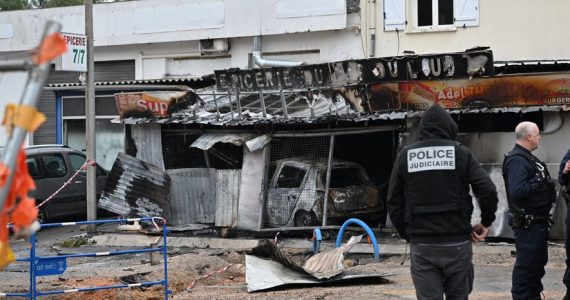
[104,71]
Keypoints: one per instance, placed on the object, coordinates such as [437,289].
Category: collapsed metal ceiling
[222,109]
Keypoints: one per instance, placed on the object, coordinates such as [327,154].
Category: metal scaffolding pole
[328,183]
[36,80]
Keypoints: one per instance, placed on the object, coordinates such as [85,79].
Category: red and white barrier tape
[156,225]
[83,168]
[191,285]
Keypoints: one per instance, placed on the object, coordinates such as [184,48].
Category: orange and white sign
[148,104]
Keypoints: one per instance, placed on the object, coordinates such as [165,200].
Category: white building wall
[11,91]
[514,29]
[185,58]
[156,21]
[163,36]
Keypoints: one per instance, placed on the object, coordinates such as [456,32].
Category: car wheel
[305,219]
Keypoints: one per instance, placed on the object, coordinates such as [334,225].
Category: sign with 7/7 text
[75,59]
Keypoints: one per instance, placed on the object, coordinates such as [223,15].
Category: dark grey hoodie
[428,196]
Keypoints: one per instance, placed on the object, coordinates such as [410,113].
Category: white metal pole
[328,183]
[90,119]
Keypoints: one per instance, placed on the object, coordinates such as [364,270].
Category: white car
[297,189]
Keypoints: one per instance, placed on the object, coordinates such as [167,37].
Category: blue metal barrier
[317,240]
[55,265]
[368,231]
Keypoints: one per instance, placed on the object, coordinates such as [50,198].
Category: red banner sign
[515,90]
[147,104]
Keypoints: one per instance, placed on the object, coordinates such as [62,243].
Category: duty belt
[533,219]
[537,219]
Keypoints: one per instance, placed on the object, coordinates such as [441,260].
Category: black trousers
[532,256]
[438,270]
[566,279]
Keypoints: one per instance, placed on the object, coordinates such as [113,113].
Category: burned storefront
[314,145]
[231,166]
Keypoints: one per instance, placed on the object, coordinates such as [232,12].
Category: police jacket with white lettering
[428,196]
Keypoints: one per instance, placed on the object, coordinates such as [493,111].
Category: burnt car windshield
[343,177]
[290,177]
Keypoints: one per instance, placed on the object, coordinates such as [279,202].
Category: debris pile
[267,266]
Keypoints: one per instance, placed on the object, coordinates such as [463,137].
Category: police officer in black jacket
[531,193]
[430,206]
[564,179]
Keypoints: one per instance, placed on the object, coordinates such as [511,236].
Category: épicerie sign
[365,71]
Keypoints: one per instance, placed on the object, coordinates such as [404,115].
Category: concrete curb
[141,240]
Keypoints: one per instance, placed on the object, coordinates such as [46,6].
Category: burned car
[297,190]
